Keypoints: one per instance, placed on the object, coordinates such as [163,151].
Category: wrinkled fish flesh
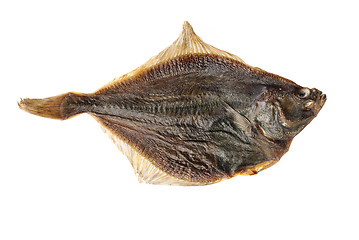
[194,114]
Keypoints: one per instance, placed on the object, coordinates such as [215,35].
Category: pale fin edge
[257,168]
[186,44]
[146,171]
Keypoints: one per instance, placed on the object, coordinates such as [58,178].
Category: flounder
[194,114]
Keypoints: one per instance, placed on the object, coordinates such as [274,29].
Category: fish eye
[303,93]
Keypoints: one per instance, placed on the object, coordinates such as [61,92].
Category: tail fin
[58,107]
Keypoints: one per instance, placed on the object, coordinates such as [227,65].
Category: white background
[66,180]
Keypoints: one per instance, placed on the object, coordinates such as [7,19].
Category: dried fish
[194,114]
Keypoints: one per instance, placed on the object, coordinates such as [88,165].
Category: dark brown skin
[201,118]
[194,114]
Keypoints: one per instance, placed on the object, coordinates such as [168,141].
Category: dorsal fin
[187,43]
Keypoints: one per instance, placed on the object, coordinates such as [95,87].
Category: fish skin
[197,117]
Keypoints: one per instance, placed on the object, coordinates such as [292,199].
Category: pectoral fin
[241,121]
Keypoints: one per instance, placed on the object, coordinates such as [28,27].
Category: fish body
[194,114]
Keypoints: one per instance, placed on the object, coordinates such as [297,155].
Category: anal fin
[145,170]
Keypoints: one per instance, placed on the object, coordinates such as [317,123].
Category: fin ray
[59,107]
[146,171]
[186,44]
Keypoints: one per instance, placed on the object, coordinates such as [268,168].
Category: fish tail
[59,107]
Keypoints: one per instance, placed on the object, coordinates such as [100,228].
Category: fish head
[284,112]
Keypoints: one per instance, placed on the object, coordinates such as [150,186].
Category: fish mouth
[322,99]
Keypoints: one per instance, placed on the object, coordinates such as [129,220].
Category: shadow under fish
[194,114]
